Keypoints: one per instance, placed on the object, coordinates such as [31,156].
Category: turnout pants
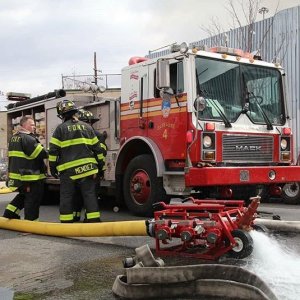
[70,190]
[78,200]
[29,197]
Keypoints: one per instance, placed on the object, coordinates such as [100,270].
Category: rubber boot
[94,220]
[10,215]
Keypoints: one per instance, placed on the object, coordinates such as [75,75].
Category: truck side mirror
[163,74]
[200,103]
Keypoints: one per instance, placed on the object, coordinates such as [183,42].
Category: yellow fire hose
[5,190]
[120,228]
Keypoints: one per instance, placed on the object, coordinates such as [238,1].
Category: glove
[54,172]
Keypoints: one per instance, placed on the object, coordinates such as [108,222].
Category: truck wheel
[291,193]
[141,185]
[244,245]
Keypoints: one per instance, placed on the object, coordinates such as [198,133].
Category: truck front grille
[247,148]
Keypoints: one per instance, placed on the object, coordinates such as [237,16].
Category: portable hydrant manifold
[204,229]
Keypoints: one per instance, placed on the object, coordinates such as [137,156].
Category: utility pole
[95,68]
[95,73]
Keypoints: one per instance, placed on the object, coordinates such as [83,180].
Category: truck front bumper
[209,176]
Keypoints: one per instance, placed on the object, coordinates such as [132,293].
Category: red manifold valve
[205,229]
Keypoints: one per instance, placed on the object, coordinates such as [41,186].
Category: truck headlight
[283,144]
[207,141]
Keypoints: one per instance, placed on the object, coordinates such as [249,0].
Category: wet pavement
[39,267]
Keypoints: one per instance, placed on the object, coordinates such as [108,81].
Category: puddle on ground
[6,293]
[92,280]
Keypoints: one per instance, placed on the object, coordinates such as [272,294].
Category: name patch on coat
[84,168]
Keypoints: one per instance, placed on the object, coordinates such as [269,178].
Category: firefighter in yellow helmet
[26,171]
[74,155]
[87,117]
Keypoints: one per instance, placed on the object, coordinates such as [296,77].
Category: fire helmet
[65,107]
[86,116]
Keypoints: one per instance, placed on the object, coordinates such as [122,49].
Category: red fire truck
[213,122]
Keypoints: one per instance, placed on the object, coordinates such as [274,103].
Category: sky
[41,40]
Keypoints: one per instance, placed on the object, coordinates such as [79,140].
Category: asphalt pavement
[40,267]
[37,267]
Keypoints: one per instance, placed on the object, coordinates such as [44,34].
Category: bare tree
[249,10]
[244,14]
[246,27]
[214,31]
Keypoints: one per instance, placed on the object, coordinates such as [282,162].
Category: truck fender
[159,162]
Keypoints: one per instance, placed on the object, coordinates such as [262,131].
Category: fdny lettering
[76,127]
[15,139]
[84,168]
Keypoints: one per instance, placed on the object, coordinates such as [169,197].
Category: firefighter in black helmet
[74,155]
[87,117]
[26,171]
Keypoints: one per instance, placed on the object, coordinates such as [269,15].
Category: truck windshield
[236,88]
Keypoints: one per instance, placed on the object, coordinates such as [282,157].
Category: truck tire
[141,185]
[291,193]
[244,245]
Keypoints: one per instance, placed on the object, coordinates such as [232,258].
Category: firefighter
[87,117]
[74,155]
[26,171]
